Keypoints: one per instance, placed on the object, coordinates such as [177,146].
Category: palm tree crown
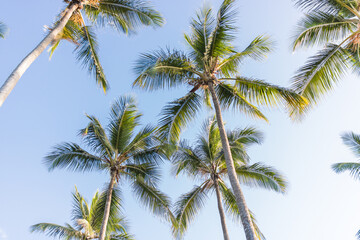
[124,16]
[211,58]
[204,162]
[87,220]
[121,152]
[334,25]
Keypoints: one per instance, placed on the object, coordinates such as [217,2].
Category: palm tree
[333,25]
[204,162]
[211,68]
[351,140]
[87,220]
[121,152]
[3,30]
[125,16]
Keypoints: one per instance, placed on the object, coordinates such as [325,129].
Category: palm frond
[147,172]
[95,137]
[328,6]
[162,69]
[257,50]
[321,72]
[186,208]
[176,115]
[124,117]
[352,167]
[201,28]
[72,157]
[218,43]
[352,140]
[259,175]
[267,94]
[319,27]
[125,16]
[87,53]
[153,199]
[230,97]
[54,230]
[3,30]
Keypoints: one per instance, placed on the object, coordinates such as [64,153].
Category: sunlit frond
[259,175]
[3,30]
[321,72]
[230,97]
[54,230]
[318,28]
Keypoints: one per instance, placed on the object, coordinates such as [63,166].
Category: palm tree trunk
[221,211]
[14,77]
[235,185]
[107,207]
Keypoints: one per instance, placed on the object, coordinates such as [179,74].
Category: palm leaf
[263,93]
[352,140]
[87,54]
[125,16]
[259,175]
[230,97]
[54,230]
[176,115]
[72,157]
[321,72]
[257,50]
[162,69]
[124,117]
[3,30]
[352,167]
[319,27]
[188,206]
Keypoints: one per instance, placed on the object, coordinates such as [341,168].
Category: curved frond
[257,50]
[162,69]
[267,94]
[125,16]
[72,157]
[318,28]
[229,96]
[153,199]
[87,53]
[259,175]
[352,167]
[327,6]
[176,115]
[321,72]
[54,230]
[186,208]
[352,140]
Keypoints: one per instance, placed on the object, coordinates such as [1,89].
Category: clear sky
[49,103]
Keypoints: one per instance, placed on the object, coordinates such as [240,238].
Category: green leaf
[176,115]
[230,97]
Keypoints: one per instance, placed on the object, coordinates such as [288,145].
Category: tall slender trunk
[221,210]
[14,77]
[107,207]
[235,185]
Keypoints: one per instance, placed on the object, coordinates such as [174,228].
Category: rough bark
[221,211]
[235,185]
[107,207]
[14,77]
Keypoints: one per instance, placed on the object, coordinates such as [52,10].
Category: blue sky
[49,103]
